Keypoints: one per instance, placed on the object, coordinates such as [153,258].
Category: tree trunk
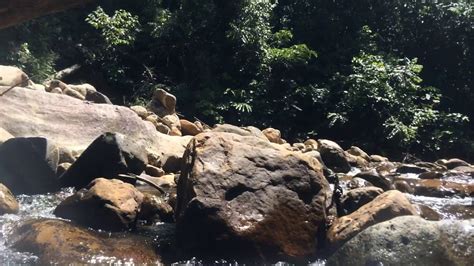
[13,12]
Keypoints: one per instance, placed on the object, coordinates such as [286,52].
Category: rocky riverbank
[86,181]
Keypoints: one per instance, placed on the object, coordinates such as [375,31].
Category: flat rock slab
[74,124]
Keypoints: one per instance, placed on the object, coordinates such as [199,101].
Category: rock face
[8,203]
[12,76]
[244,194]
[410,240]
[75,124]
[333,156]
[104,204]
[108,156]
[28,165]
[63,243]
[384,207]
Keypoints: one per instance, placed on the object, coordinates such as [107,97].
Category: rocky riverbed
[86,181]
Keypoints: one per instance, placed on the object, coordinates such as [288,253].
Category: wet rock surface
[61,242]
[410,240]
[248,196]
[104,204]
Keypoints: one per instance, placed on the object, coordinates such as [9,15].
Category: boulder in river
[375,179]
[28,165]
[104,204]
[244,195]
[356,198]
[453,163]
[410,240]
[75,124]
[64,243]
[333,156]
[384,207]
[8,203]
[108,156]
[443,188]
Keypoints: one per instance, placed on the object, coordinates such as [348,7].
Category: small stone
[154,171]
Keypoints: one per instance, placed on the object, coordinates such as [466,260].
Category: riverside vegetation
[186,132]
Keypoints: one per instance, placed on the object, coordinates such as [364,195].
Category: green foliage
[39,66]
[120,29]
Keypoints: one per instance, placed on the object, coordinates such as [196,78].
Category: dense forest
[391,75]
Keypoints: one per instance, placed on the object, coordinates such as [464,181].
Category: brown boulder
[356,198]
[333,156]
[443,188]
[273,135]
[189,128]
[356,151]
[248,196]
[64,243]
[384,207]
[8,203]
[453,163]
[104,204]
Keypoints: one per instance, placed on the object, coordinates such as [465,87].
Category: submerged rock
[8,203]
[28,165]
[410,240]
[247,196]
[104,204]
[384,207]
[61,242]
[108,156]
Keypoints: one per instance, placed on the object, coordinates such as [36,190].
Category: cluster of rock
[237,192]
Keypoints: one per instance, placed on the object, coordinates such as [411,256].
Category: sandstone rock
[98,97]
[333,156]
[8,203]
[242,131]
[153,119]
[83,89]
[172,121]
[453,163]
[140,111]
[384,207]
[241,194]
[356,161]
[403,186]
[357,182]
[175,132]
[154,171]
[4,136]
[76,124]
[273,135]
[410,240]
[75,94]
[56,90]
[56,84]
[28,165]
[61,242]
[189,128]
[13,76]
[108,156]
[298,146]
[356,151]
[411,169]
[443,188]
[156,209]
[430,175]
[431,166]
[356,198]
[466,170]
[312,144]
[104,204]
[38,87]
[375,179]
[162,128]
[378,158]
[162,103]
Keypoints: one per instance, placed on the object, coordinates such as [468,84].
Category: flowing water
[42,206]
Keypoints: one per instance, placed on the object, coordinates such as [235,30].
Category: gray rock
[410,240]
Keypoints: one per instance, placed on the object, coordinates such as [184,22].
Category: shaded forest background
[393,76]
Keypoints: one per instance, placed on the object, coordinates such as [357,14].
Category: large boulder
[8,203]
[75,124]
[104,204]
[384,207]
[246,195]
[108,156]
[333,156]
[13,76]
[64,243]
[28,165]
[410,240]
[375,179]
